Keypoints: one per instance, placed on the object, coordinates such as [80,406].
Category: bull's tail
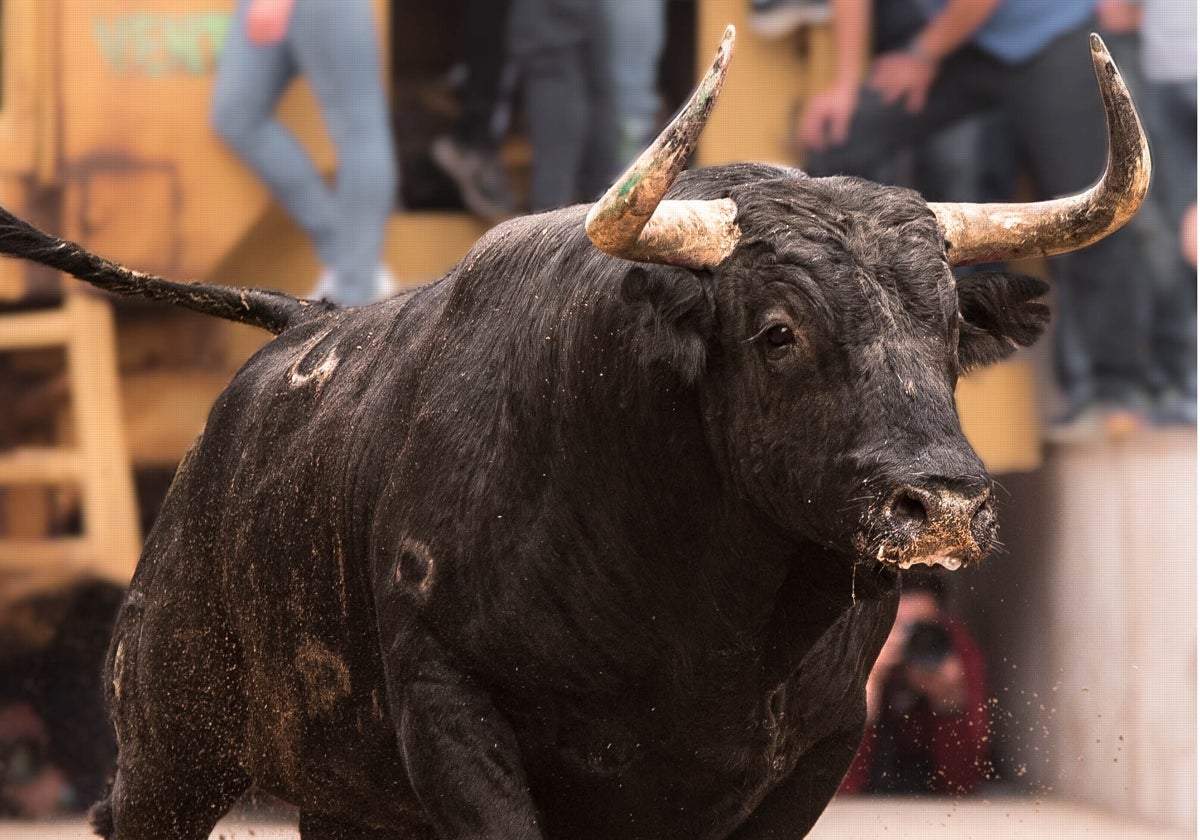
[270,310]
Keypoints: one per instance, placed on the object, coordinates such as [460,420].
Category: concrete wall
[1090,619]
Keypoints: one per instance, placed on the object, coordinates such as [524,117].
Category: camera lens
[927,646]
[22,760]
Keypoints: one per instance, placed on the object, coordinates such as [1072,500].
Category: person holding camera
[927,710]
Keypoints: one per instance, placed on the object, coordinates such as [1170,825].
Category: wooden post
[110,520]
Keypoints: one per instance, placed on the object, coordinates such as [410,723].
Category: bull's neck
[645,477]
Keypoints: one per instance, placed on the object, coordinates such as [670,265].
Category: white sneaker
[327,287]
[385,283]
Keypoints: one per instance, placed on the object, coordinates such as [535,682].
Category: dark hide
[561,545]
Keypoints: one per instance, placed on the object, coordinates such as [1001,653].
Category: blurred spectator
[927,720]
[57,749]
[561,56]
[1168,106]
[31,787]
[335,44]
[1028,60]
[470,156]
[973,160]
[1170,281]
[634,34]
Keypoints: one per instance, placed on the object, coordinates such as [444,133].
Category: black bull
[563,544]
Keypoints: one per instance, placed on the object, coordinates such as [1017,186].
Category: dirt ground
[861,818]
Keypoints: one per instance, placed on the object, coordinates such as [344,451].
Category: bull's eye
[779,336]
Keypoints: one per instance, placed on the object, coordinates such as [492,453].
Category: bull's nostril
[908,509]
[983,523]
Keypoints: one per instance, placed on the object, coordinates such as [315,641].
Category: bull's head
[833,332]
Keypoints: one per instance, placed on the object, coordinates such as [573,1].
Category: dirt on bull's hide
[325,676]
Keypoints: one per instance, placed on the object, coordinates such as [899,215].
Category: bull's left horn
[632,221]
[976,233]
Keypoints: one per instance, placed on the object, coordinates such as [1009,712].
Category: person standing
[560,49]
[334,43]
[635,34]
[927,703]
[1168,52]
[470,155]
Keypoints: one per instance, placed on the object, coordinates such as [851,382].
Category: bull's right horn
[632,221]
[976,233]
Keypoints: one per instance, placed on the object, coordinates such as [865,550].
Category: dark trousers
[483,33]
[560,51]
[1169,111]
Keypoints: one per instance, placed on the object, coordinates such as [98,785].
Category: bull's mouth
[946,561]
[920,528]
[950,552]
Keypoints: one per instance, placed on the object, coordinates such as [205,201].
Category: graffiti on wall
[162,44]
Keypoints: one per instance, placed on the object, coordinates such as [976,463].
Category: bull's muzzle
[936,524]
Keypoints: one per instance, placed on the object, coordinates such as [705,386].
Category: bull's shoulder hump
[330,353]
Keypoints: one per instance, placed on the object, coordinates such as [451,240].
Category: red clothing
[954,746]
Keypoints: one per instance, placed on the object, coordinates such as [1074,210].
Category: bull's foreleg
[792,808]
[461,754]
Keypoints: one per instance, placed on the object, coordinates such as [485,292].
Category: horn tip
[725,48]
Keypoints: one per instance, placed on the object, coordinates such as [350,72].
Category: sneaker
[776,18]
[480,178]
[1175,408]
[1096,422]
[327,286]
[385,283]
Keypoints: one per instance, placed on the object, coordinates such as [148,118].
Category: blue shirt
[1019,29]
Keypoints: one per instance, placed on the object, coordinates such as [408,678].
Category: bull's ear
[675,318]
[1000,312]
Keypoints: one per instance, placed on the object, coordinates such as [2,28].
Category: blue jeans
[334,43]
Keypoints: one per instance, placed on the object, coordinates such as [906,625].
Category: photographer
[57,749]
[926,703]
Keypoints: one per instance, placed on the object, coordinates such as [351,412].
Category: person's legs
[336,45]
[470,156]
[1103,319]
[556,111]
[635,34]
[483,32]
[975,160]
[879,130]
[600,165]
[1169,112]
[248,85]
